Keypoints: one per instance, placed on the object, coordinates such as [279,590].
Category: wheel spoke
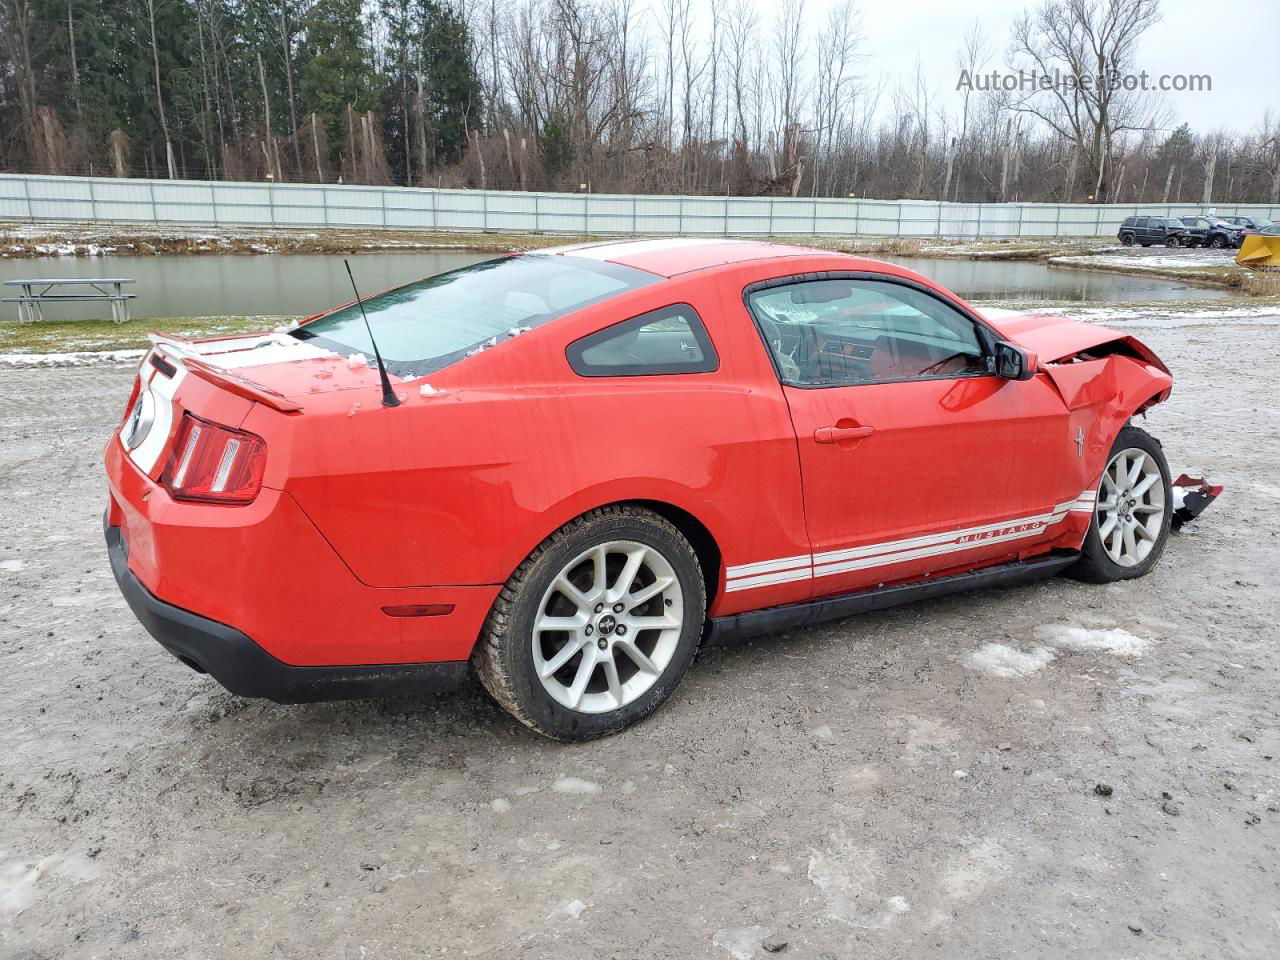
[585,669]
[1109,484]
[653,623]
[626,576]
[1130,545]
[599,556]
[1146,484]
[1106,506]
[562,656]
[1149,508]
[1114,547]
[1141,530]
[572,624]
[570,592]
[610,667]
[1135,471]
[645,594]
[637,656]
[1104,530]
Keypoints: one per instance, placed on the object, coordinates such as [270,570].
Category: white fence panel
[110,200]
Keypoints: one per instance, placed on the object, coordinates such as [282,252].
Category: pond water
[299,284]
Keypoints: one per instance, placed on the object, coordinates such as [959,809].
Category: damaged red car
[563,471]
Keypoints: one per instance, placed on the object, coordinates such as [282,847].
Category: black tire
[1126,239]
[1095,564]
[503,659]
[1218,242]
[1173,242]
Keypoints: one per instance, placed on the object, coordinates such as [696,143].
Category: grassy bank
[26,240]
[74,336]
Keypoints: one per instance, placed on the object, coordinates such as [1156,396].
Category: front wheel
[1173,242]
[1218,242]
[597,626]
[1130,524]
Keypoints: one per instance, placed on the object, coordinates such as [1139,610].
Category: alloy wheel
[608,626]
[1131,507]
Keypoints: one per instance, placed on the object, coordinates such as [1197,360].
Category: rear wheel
[1173,242]
[597,626]
[1130,524]
[1218,242]
[1126,239]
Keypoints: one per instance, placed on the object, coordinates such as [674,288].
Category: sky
[1193,37]
[1233,41]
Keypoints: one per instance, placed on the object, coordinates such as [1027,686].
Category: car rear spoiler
[178,350]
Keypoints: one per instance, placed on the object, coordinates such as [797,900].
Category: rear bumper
[246,669]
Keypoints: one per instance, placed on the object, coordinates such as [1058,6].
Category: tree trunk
[164,123]
[75,71]
[286,49]
[272,149]
[315,144]
[1208,177]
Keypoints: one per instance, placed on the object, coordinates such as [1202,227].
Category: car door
[915,459]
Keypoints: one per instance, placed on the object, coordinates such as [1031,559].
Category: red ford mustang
[584,461]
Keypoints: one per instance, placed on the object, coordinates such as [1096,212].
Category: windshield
[425,326]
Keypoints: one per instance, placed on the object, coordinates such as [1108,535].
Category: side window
[842,332]
[665,341]
[1142,223]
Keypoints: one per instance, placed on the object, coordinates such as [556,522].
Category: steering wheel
[938,363]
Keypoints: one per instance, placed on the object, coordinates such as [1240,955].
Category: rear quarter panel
[458,487]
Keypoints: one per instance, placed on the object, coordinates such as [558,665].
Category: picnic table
[36,293]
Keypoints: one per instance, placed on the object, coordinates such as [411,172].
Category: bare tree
[1094,42]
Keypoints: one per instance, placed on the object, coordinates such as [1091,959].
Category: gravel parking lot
[922,782]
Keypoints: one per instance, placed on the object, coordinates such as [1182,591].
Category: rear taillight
[213,463]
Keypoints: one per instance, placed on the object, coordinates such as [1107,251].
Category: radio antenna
[389,398]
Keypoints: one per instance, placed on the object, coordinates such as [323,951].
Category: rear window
[428,325]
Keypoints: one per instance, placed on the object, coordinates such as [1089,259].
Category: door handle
[841,434]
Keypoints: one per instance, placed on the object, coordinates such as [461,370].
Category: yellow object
[1259,251]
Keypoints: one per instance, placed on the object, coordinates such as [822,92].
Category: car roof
[672,256]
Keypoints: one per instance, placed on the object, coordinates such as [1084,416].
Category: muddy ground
[914,783]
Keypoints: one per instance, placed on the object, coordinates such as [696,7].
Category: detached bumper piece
[1191,495]
[248,670]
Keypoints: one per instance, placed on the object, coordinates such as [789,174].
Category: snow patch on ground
[740,942]
[847,875]
[967,874]
[1007,663]
[1183,260]
[12,566]
[1148,315]
[569,910]
[575,785]
[85,358]
[1115,641]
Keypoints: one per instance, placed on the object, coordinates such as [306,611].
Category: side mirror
[1014,363]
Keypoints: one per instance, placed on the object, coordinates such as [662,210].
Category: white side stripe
[766,573]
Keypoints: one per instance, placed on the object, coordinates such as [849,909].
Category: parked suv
[1207,231]
[1145,231]
[1249,224]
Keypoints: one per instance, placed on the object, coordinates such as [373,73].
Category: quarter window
[838,332]
[665,341]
